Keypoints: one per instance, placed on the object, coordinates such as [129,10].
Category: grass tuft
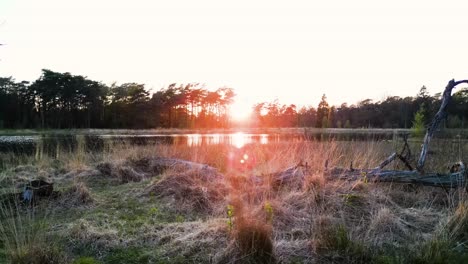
[78,194]
[191,190]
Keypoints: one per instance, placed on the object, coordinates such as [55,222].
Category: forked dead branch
[456,177]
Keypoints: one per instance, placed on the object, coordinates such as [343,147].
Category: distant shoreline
[174,131]
[169,131]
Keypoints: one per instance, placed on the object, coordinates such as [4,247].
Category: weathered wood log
[291,174]
[440,115]
[454,179]
[292,177]
[386,161]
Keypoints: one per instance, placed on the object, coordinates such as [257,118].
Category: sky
[293,51]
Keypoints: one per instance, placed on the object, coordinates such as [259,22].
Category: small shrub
[230,215]
[269,212]
[418,127]
[180,219]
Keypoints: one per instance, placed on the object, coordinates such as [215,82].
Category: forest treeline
[63,100]
[393,112]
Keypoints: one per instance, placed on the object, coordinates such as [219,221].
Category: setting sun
[240,111]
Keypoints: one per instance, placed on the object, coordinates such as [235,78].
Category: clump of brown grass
[386,228]
[78,194]
[39,254]
[191,190]
[457,226]
[122,172]
[314,182]
[425,220]
[293,251]
[127,174]
[250,222]
[289,214]
[84,233]
[200,241]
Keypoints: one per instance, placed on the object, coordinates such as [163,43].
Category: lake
[55,141]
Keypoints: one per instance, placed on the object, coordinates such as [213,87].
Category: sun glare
[240,111]
[239,139]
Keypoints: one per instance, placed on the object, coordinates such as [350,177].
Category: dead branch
[386,161]
[455,178]
[440,115]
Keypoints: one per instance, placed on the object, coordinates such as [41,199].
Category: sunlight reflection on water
[50,143]
[194,140]
[238,140]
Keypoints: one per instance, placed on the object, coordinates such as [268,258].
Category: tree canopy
[64,100]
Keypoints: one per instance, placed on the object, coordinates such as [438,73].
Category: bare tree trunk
[436,121]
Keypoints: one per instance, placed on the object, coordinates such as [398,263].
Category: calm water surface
[51,144]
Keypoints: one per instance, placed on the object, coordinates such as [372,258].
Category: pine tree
[418,127]
[323,110]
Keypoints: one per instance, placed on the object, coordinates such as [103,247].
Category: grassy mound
[191,191]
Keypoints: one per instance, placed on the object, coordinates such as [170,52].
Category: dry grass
[78,194]
[458,223]
[191,191]
[23,234]
[97,237]
[40,254]
[200,241]
[322,220]
[254,242]
[386,228]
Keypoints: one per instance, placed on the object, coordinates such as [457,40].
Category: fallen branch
[294,174]
[386,161]
[405,153]
[454,179]
[405,161]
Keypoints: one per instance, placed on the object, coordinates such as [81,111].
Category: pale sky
[290,50]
